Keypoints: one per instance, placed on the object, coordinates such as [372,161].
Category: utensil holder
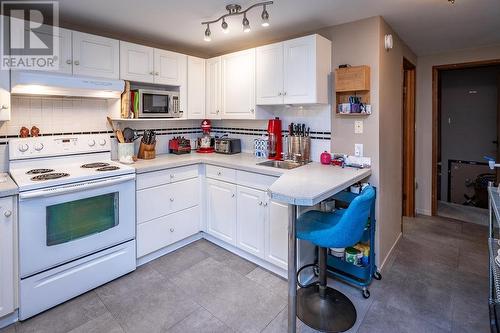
[147,152]
[126,152]
[299,145]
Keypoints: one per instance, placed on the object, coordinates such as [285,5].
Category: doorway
[409,83]
[465,129]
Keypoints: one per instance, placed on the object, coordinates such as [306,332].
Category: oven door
[61,224]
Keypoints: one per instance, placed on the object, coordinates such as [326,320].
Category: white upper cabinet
[4,93]
[213,88]
[196,88]
[95,56]
[170,67]
[136,62]
[65,52]
[238,85]
[300,76]
[269,74]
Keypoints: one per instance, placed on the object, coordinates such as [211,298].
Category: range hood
[53,84]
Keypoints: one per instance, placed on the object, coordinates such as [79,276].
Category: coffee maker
[275,139]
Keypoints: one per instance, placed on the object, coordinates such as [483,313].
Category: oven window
[76,219]
[155,103]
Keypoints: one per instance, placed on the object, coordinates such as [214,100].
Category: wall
[423,159]
[468,117]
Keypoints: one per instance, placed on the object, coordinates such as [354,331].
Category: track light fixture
[233,10]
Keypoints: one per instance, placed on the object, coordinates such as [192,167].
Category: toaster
[227,146]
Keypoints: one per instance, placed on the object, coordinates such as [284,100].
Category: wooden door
[269,74]
[221,210]
[136,62]
[95,56]
[408,139]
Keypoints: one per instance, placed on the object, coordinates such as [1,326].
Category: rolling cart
[357,276]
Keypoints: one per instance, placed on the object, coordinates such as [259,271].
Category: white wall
[423,158]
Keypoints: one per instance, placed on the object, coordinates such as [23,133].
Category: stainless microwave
[158,104]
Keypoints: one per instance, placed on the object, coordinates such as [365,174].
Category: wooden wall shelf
[352,81]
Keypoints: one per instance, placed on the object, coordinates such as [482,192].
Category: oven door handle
[64,189]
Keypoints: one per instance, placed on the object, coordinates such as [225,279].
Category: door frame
[436,115]
[408,145]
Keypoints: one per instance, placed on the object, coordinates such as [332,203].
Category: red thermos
[275,139]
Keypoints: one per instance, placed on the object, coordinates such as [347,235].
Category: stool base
[333,313]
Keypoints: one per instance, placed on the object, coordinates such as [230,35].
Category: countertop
[7,187]
[303,186]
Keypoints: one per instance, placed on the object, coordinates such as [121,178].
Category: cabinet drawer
[158,233]
[221,173]
[254,180]
[161,200]
[161,177]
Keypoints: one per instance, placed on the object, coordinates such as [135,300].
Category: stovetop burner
[38,171]
[49,176]
[95,165]
[108,168]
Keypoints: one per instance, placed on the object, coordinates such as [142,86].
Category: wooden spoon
[111,124]
[119,136]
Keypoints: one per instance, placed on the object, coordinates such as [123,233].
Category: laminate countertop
[303,186]
[7,185]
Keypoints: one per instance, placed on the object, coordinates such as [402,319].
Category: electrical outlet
[358,127]
[358,149]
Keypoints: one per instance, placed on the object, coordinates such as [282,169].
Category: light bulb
[225,27]
[246,23]
[207,37]
[265,17]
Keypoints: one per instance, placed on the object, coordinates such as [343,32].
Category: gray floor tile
[200,321]
[105,323]
[145,301]
[238,301]
[176,262]
[473,262]
[9,329]
[66,316]
[271,281]
[221,255]
[469,315]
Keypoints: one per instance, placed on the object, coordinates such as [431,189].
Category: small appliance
[156,103]
[227,146]
[206,143]
[179,145]
[326,158]
[275,139]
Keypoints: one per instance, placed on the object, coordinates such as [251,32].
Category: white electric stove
[76,217]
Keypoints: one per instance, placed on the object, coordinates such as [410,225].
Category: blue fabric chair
[319,306]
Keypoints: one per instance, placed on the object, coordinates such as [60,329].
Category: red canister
[325,158]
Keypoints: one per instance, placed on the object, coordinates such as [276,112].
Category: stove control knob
[23,147]
[102,142]
[91,143]
[39,146]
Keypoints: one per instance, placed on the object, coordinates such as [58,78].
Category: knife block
[147,152]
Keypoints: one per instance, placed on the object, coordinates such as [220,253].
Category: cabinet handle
[172,176]
[252,110]
[219,173]
[77,62]
[265,204]
[68,61]
[171,229]
[260,203]
[156,73]
[232,195]
[217,111]
[171,199]
[284,93]
[279,93]
[4,107]
[7,213]
[151,73]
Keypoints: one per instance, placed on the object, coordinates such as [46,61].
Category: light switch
[358,127]
[358,149]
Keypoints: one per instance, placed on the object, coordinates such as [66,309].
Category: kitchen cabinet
[8,256]
[238,85]
[276,234]
[95,56]
[221,210]
[251,215]
[171,69]
[196,88]
[213,88]
[136,62]
[5,105]
[295,71]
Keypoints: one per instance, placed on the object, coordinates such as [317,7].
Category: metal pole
[292,269]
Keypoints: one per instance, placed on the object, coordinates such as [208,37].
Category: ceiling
[427,26]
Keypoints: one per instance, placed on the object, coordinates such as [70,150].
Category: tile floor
[436,281]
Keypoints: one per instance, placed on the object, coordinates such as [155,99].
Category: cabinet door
[170,67]
[213,88]
[196,88]
[7,257]
[221,210]
[299,70]
[238,85]
[96,56]
[269,74]
[136,62]
[5,104]
[250,220]
[276,234]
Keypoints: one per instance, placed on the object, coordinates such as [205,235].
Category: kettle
[325,158]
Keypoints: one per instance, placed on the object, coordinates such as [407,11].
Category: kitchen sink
[282,164]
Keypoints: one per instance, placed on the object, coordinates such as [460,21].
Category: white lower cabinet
[276,234]
[8,279]
[250,217]
[221,210]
